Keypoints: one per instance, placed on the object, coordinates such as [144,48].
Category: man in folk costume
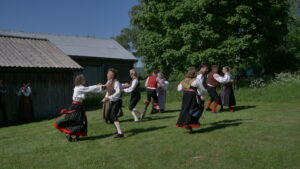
[134,89]
[203,78]
[113,97]
[213,81]
[191,110]
[151,86]
[162,87]
[227,95]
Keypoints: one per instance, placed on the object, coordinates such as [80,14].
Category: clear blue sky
[100,18]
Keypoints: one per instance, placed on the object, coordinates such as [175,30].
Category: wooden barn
[48,69]
[95,55]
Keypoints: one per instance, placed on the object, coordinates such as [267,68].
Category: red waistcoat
[152,82]
[211,80]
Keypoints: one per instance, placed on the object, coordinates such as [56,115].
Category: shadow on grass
[131,133]
[171,111]
[143,130]
[221,125]
[238,108]
[148,119]
[96,137]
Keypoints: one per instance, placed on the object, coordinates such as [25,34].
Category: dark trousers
[151,93]
[214,97]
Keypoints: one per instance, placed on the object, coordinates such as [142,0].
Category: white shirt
[80,91]
[200,77]
[224,79]
[196,83]
[146,83]
[164,84]
[116,96]
[133,85]
[26,93]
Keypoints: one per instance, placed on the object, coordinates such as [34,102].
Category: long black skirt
[227,96]
[191,111]
[74,121]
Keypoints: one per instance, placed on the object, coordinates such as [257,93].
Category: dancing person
[25,103]
[3,92]
[75,121]
[227,95]
[191,110]
[162,87]
[151,86]
[113,97]
[212,83]
[202,77]
[134,89]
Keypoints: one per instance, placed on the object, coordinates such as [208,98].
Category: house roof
[81,46]
[26,52]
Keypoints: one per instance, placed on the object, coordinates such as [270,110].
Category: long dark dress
[227,95]
[74,122]
[25,108]
[191,110]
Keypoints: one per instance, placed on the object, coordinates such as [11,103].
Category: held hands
[105,99]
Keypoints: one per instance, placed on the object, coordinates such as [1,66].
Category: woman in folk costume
[113,97]
[75,121]
[162,87]
[227,94]
[191,110]
[151,86]
[134,89]
[25,104]
[202,77]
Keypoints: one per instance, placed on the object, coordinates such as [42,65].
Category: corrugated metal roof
[81,46]
[32,53]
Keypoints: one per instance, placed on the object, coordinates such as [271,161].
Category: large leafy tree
[176,34]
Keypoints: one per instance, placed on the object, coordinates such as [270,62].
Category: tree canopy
[176,34]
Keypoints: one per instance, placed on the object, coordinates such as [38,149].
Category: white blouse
[133,85]
[196,83]
[117,94]
[26,93]
[164,84]
[80,91]
[224,79]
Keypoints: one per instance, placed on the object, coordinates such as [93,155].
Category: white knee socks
[118,127]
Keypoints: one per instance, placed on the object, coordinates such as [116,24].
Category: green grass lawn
[258,135]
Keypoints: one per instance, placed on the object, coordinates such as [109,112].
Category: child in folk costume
[75,121]
[227,94]
[191,110]
[134,89]
[25,103]
[213,81]
[113,97]
[202,77]
[151,86]
[162,87]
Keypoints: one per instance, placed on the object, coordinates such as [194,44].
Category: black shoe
[190,130]
[69,138]
[142,116]
[119,135]
[154,111]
